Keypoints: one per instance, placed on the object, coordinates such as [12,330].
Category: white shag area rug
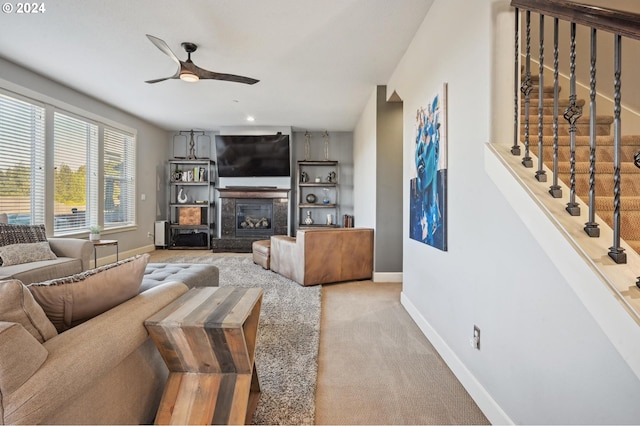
[288,339]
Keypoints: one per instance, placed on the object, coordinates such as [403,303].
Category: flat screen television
[253,155]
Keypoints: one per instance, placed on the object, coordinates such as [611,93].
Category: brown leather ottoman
[261,253]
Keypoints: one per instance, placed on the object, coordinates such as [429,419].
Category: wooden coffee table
[207,338]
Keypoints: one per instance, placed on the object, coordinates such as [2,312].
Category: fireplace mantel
[253,192]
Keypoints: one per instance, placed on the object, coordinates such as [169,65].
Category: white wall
[543,357]
[364,161]
[151,144]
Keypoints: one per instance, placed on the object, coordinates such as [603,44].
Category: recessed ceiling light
[250,118]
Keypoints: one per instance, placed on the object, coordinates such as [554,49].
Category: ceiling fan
[188,71]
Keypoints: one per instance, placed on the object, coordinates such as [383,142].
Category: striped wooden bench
[207,338]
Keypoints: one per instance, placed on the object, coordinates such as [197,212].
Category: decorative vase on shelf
[325,199]
[182,196]
[308,220]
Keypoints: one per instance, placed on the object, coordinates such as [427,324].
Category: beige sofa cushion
[71,300]
[21,356]
[20,234]
[16,254]
[18,305]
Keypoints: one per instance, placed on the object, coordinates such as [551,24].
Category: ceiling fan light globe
[189,77]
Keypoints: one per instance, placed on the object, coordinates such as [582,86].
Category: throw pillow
[20,234]
[16,254]
[72,300]
[18,305]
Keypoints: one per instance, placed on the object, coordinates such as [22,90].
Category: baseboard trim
[482,398]
[387,277]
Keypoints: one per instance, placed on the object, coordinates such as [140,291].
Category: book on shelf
[347,221]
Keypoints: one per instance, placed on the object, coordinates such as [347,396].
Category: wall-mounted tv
[253,155]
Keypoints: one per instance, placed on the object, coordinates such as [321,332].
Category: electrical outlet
[475,341]
[149,235]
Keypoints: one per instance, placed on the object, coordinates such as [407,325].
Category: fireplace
[248,214]
[254,218]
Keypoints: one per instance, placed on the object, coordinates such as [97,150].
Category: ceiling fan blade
[204,74]
[160,44]
[158,80]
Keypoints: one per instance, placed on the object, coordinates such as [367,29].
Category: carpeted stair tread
[582,167]
[602,140]
[582,129]
[634,244]
[629,223]
[627,203]
[629,184]
[563,103]
[547,119]
[583,153]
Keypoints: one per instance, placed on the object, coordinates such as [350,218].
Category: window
[22,168]
[119,178]
[92,168]
[75,145]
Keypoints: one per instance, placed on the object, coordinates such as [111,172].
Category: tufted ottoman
[262,253]
[192,274]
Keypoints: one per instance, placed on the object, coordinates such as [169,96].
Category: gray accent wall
[388,234]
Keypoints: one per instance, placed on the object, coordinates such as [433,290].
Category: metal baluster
[555,190]
[616,252]
[541,175]
[591,227]
[515,149]
[572,114]
[526,90]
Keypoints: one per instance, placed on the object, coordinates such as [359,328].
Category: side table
[207,338]
[102,243]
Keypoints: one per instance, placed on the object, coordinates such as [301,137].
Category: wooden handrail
[626,24]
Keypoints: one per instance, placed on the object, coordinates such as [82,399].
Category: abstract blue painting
[428,184]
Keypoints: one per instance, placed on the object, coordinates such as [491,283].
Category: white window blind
[75,174]
[119,178]
[22,126]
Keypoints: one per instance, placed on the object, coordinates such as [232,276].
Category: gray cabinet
[317,194]
[191,203]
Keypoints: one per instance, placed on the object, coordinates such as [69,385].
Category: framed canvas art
[428,183]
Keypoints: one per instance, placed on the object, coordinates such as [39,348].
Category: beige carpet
[376,367]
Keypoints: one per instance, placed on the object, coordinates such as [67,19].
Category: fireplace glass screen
[254,218]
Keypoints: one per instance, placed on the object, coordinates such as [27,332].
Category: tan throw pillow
[72,300]
[16,254]
[18,305]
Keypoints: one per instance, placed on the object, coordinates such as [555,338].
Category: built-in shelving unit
[320,180]
[191,203]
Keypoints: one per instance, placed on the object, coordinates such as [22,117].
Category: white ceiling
[318,61]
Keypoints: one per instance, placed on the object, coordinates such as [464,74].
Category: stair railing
[620,24]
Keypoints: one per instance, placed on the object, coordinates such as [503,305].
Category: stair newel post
[616,252]
[572,114]
[541,175]
[526,90]
[515,149]
[591,227]
[555,190]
